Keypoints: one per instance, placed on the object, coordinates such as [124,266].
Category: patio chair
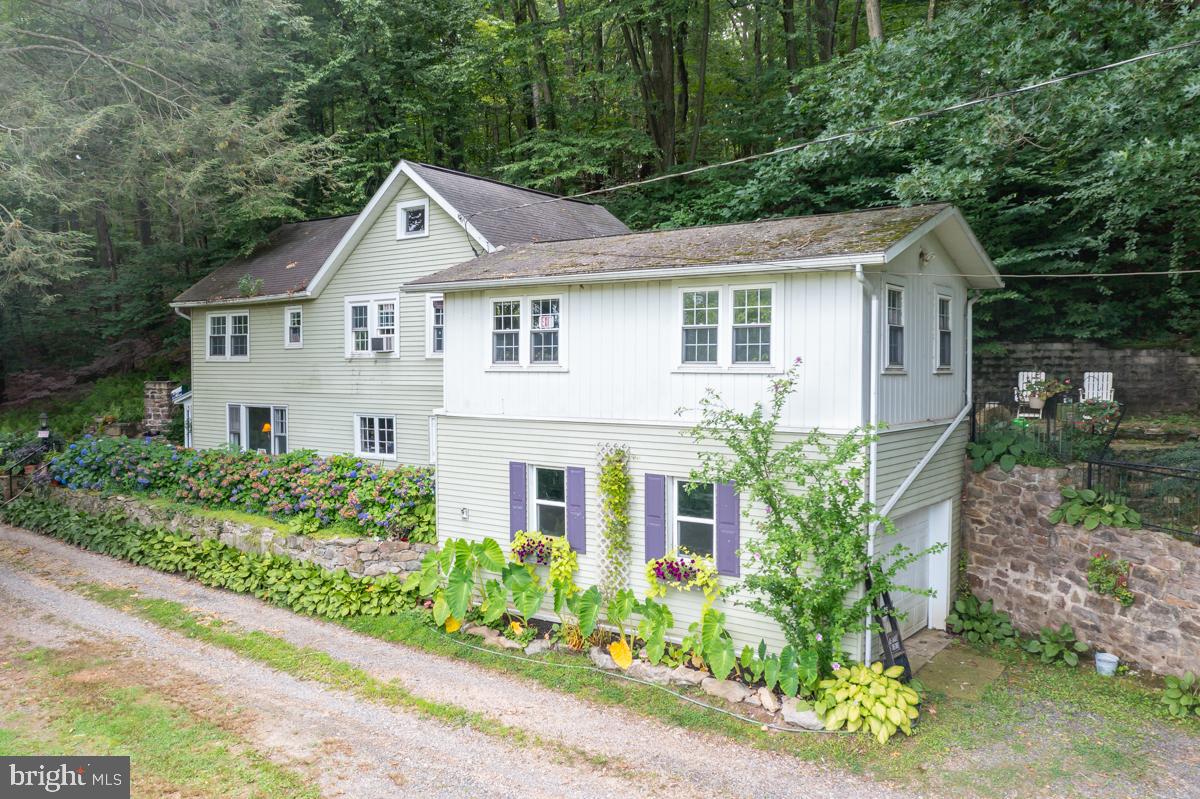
[1097,386]
[1022,395]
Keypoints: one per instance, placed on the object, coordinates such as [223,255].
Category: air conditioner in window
[382,343]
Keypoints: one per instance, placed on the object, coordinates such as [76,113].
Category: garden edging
[360,557]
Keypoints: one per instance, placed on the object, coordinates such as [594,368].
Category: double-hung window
[945,339]
[371,325]
[375,436]
[701,316]
[229,336]
[549,500]
[293,327]
[752,325]
[412,219]
[894,343]
[506,331]
[543,330]
[435,326]
[695,517]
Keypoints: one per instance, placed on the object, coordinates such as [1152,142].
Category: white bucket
[1106,664]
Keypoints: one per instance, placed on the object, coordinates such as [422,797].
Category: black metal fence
[1167,497]
[1064,431]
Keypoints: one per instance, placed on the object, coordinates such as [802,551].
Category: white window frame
[375,417]
[888,366]
[525,333]
[227,316]
[287,327]
[532,502]
[244,423]
[939,297]
[401,228]
[430,299]
[372,301]
[725,327]
[677,484]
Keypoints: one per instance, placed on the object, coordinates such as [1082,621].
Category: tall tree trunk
[652,54]
[543,93]
[791,47]
[682,97]
[874,21]
[931,12]
[701,80]
[565,23]
[808,30]
[858,7]
[144,232]
[825,27]
[106,252]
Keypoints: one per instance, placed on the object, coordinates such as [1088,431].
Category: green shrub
[980,623]
[1093,508]
[1057,646]
[298,585]
[397,502]
[1182,695]
[1006,445]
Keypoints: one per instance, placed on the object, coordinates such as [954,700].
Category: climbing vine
[616,487]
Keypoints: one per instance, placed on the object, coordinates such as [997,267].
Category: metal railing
[1063,430]
[1166,497]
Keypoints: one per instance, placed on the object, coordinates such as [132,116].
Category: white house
[555,348]
[308,343]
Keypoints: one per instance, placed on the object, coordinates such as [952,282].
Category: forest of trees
[142,142]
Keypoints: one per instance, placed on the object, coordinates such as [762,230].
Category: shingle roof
[285,264]
[526,215]
[851,233]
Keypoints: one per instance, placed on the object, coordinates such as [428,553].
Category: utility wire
[859,132]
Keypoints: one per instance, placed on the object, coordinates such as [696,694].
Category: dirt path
[377,744]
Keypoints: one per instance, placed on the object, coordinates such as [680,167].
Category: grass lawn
[80,700]
[1035,730]
[341,529]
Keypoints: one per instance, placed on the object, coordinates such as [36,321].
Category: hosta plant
[870,699]
[1093,508]
[1057,646]
[980,623]
[1182,695]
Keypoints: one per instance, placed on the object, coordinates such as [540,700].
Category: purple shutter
[656,516]
[576,510]
[516,498]
[729,533]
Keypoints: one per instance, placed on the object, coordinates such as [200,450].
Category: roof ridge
[744,222]
[319,219]
[506,185]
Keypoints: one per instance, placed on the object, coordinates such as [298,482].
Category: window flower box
[683,571]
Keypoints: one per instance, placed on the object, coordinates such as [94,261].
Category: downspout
[179,312]
[872,418]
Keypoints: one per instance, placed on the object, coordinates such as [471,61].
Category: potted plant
[1038,391]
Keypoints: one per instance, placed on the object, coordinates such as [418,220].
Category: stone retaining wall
[360,557]
[1037,571]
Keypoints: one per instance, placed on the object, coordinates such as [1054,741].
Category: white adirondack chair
[1097,386]
[1022,395]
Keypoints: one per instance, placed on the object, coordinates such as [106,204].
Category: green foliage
[980,623]
[1109,576]
[1006,445]
[298,585]
[810,548]
[615,488]
[1057,646]
[118,398]
[868,699]
[683,571]
[248,286]
[1093,508]
[1182,695]
[395,502]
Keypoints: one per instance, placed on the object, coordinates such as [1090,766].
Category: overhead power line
[858,132]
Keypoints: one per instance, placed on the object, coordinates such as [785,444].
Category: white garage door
[912,530]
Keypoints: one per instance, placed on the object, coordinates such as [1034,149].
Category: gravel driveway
[381,747]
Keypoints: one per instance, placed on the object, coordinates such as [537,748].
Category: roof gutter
[831,263]
[295,295]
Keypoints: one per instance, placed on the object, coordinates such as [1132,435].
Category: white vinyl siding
[321,386]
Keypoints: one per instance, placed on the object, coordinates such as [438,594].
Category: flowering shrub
[683,571]
[1110,577]
[397,503]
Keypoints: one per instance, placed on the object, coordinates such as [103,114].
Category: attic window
[412,219]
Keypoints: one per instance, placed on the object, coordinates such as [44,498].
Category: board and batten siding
[321,387]
[473,498]
[622,349]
